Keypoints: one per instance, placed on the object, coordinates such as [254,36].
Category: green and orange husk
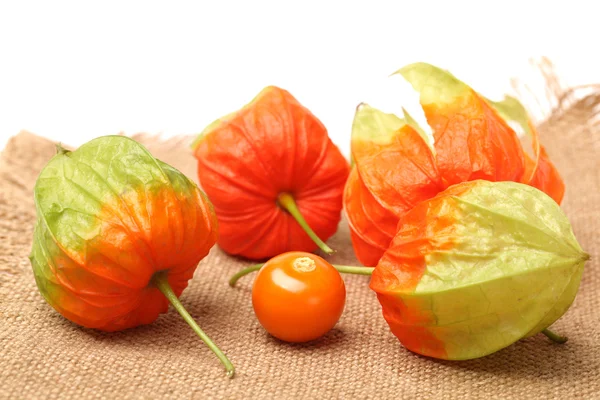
[118,236]
[396,166]
[476,268]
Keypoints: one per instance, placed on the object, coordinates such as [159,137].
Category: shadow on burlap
[42,355]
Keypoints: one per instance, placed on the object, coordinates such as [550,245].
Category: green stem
[243,272]
[162,283]
[554,336]
[287,202]
[347,269]
[344,269]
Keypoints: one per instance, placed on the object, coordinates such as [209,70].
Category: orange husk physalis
[274,176]
[118,236]
[396,167]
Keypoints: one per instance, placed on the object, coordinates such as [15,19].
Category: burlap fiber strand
[45,356]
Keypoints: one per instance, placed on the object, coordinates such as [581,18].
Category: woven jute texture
[42,355]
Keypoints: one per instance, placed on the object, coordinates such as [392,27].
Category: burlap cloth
[45,356]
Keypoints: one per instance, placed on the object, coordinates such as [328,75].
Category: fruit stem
[162,283]
[348,269]
[243,272]
[554,336]
[287,202]
[344,269]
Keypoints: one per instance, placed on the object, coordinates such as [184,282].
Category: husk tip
[60,149]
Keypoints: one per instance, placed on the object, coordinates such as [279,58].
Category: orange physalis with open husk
[396,166]
[274,176]
[394,170]
[118,236]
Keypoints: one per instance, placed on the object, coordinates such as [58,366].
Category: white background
[72,71]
